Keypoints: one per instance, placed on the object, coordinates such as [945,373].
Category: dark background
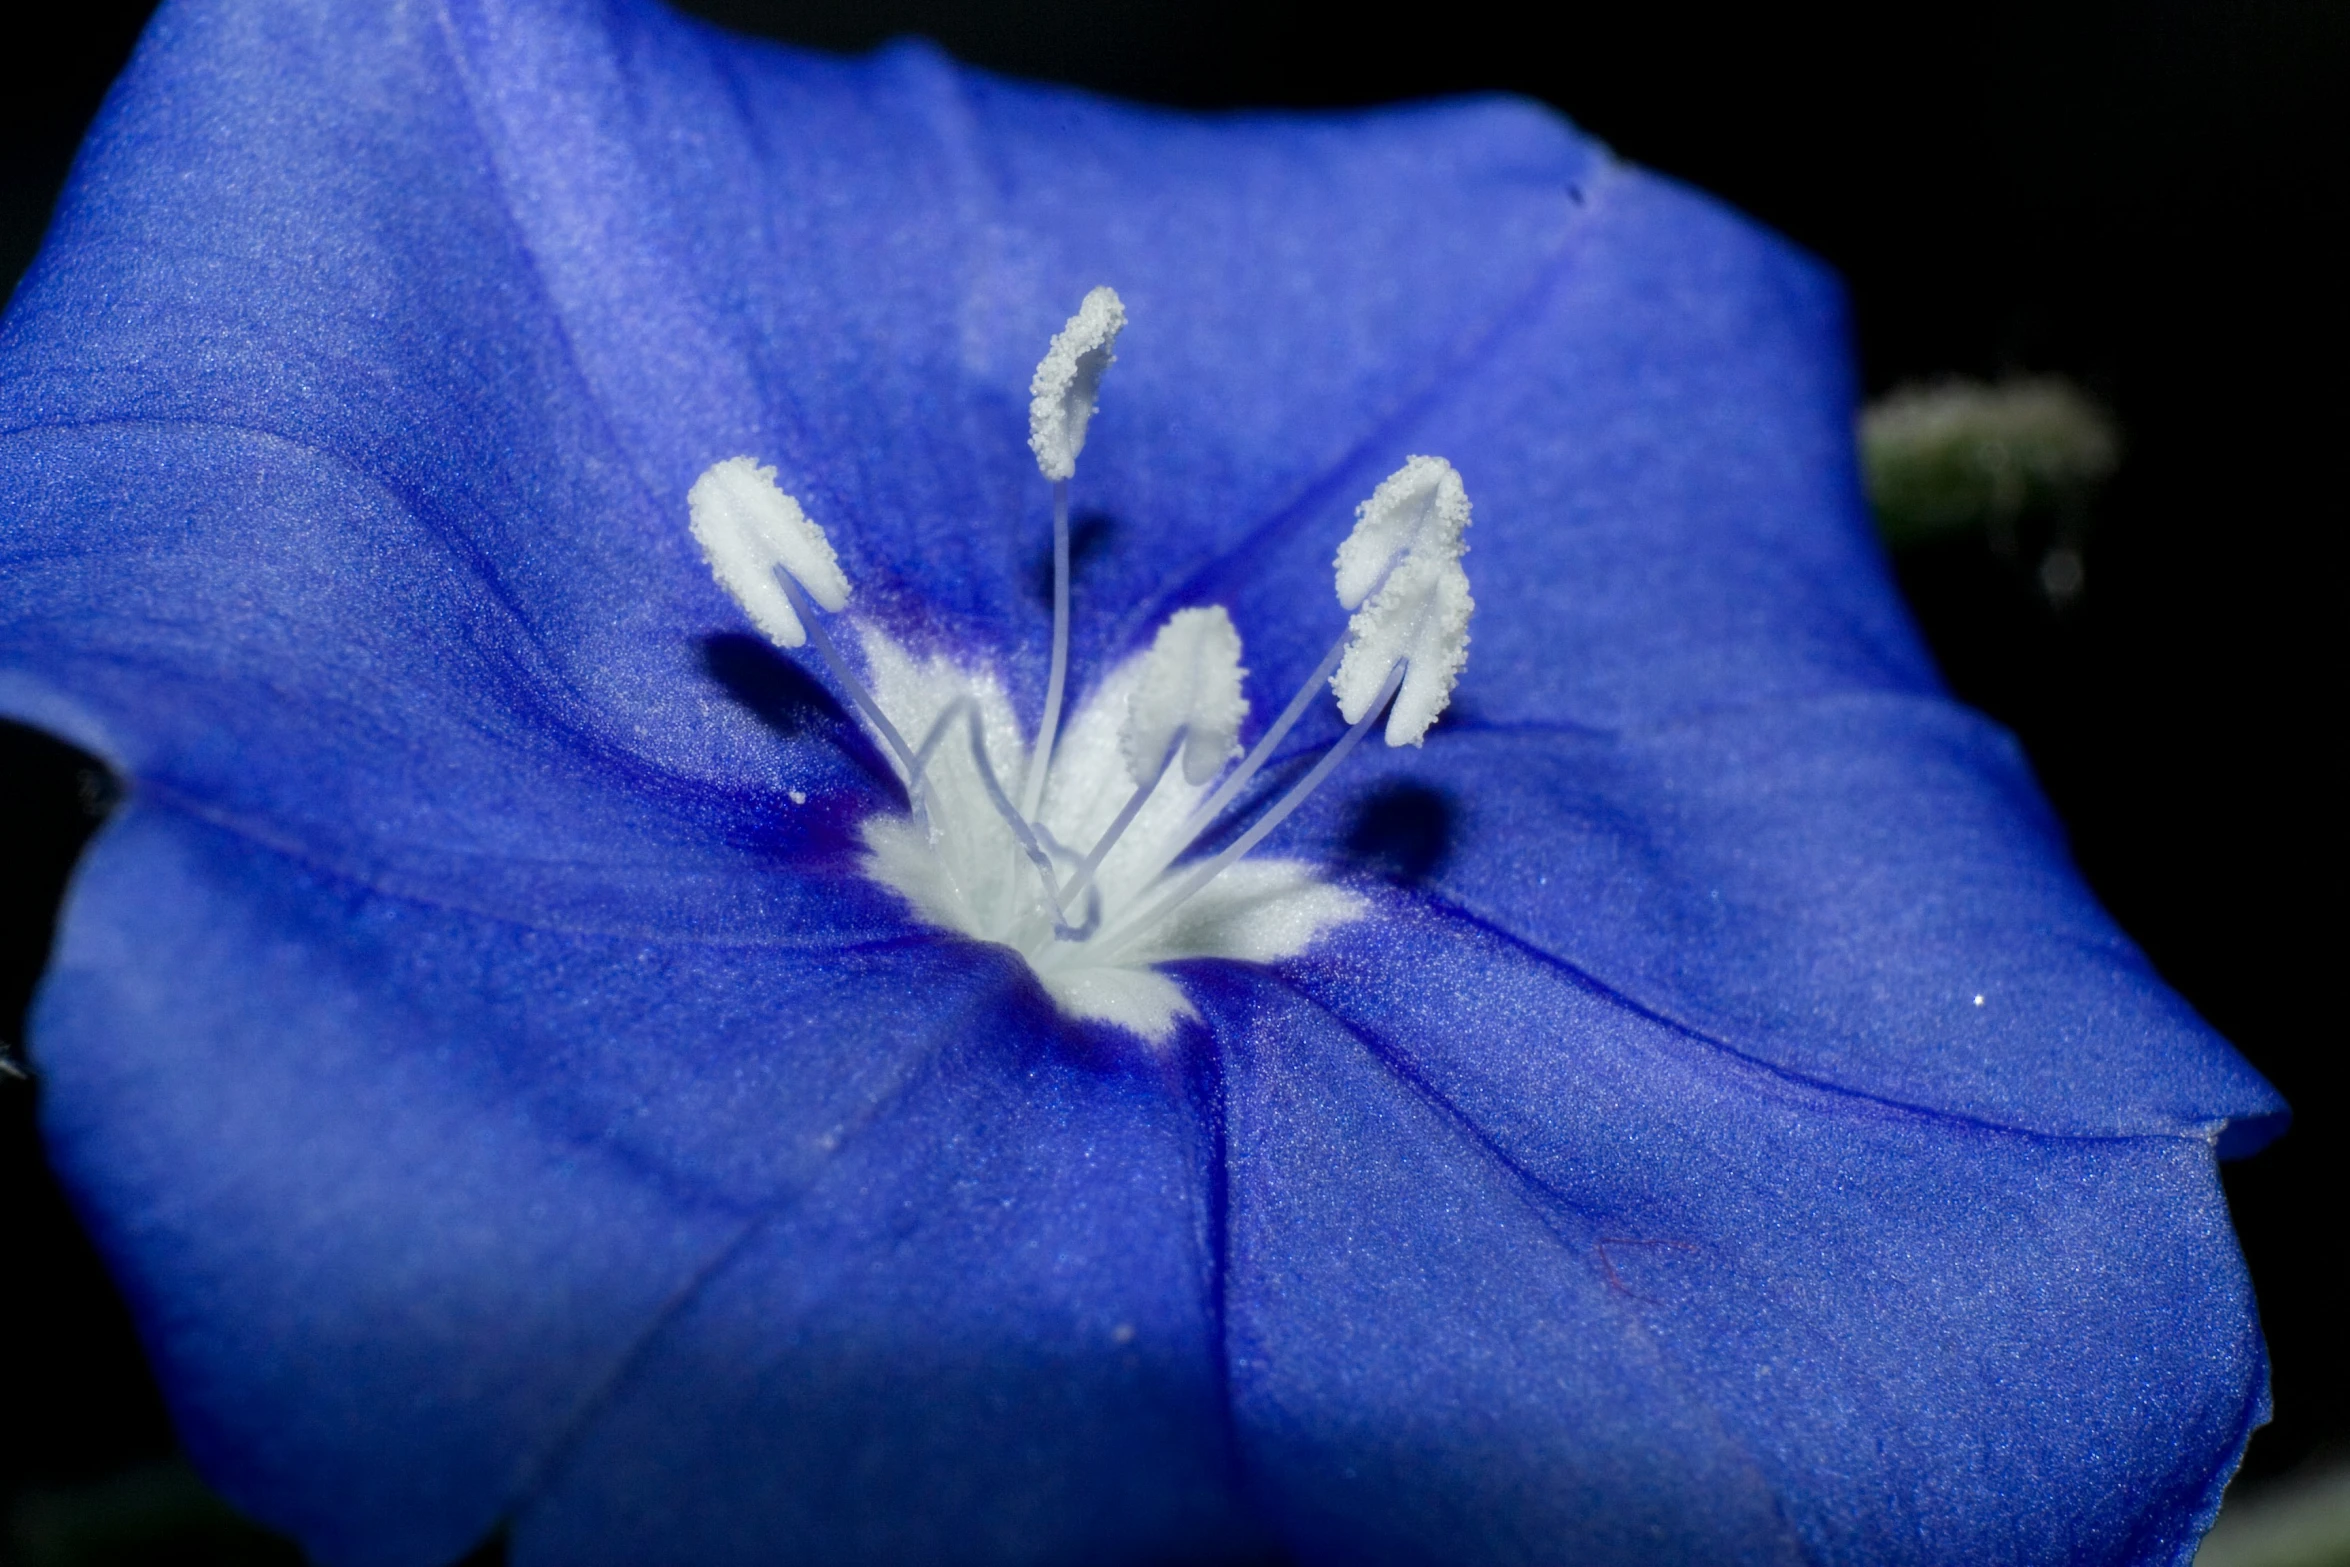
[2130,193]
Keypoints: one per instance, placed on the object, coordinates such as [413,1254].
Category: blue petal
[1424,1368]
[270,637]
[856,268]
[529,271]
[1659,447]
[985,1334]
[1865,891]
[1572,1241]
[396,1191]
[1698,752]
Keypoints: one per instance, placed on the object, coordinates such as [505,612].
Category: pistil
[1056,684]
[1061,399]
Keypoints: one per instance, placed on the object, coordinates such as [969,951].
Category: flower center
[1072,850]
[960,861]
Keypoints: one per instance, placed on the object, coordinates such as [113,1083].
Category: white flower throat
[1071,849]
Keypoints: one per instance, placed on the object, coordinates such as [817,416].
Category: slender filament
[850,683]
[967,709]
[1251,764]
[1262,751]
[1040,761]
[1125,819]
[1165,905]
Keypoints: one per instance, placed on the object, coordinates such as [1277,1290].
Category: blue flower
[1730,1132]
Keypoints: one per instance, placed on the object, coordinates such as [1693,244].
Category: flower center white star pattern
[1065,848]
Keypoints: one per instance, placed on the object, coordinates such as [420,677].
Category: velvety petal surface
[985,1334]
[1512,1264]
[510,277]
[397,1190]
[1697,752]
[274,640]
[1423,1369]
[1863,891]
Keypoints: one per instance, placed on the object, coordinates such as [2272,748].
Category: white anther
[1190,681]
[747,528]
[1400,572]
[1061,397]
[1420,505]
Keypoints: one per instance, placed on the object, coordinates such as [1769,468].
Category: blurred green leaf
[1958,455]
[2302,1522]
[157,1515]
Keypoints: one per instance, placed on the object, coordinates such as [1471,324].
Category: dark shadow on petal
[1090,535]
[784,697]
[790,701]
[490,1553]
[1402,832]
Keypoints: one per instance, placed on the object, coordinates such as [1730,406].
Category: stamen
[1393,521]
[1155,912]
[1409,638]
[1414,610]
[856,690]
[1061,398]
[1190,682]
[1418,513]
[771,560]
[747,527]
[1399,577]
[1205,813]
[1125,819]
[967,709]
[1187,700]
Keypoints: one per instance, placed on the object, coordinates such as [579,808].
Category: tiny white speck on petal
[1190,680]
[797,796]
[748,527]
[1068,381]
[1978,1001]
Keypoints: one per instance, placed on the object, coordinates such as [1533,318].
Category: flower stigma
[1071,849]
